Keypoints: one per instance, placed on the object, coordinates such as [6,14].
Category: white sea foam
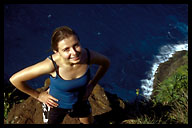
[165,53]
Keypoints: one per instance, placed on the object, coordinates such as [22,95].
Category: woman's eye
[65,50]
[76,45]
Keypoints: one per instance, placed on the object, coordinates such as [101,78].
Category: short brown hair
[59,34]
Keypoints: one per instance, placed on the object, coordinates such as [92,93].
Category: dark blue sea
[135,37]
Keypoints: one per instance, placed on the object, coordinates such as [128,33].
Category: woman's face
[70,49]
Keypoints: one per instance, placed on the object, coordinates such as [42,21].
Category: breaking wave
[165,53]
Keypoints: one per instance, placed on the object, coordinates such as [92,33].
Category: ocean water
[135,37]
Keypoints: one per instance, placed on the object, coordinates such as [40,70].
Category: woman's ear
[54,51]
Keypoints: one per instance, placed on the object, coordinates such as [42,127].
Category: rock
[167,68]
[99,101]
[30,110]
[27,112]
[107,108]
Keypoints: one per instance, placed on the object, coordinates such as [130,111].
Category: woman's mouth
[75,58]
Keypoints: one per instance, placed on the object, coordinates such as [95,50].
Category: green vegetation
[174,92]
[169,105]
[11,96]
[9,100]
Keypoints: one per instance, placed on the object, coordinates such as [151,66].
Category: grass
[11,96]
[169,105]
[174,92]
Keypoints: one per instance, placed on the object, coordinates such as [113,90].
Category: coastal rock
[167,68]
[30,110]
[107,108]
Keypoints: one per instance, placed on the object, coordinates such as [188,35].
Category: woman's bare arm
[104,63]
[19,80]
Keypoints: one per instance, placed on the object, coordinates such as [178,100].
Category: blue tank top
[68,92]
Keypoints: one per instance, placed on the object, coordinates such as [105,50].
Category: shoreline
[168,68]
[166,53]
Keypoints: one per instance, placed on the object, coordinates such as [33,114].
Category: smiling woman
[69,72]
[70,49]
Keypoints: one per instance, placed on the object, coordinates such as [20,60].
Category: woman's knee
[87,120]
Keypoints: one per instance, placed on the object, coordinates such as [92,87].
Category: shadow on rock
[107,108]
[116,114]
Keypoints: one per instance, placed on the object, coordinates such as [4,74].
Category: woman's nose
[73,51]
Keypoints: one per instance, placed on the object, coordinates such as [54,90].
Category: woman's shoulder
[54,56]
[97,57]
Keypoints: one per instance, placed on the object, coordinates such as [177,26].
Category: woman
[70,79]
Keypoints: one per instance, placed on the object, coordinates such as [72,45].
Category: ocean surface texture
[135,37]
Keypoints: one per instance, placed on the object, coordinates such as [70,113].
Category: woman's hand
[47,99]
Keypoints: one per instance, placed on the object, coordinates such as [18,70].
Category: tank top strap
[55,65]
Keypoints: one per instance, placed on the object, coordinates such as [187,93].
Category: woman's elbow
[13,80]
